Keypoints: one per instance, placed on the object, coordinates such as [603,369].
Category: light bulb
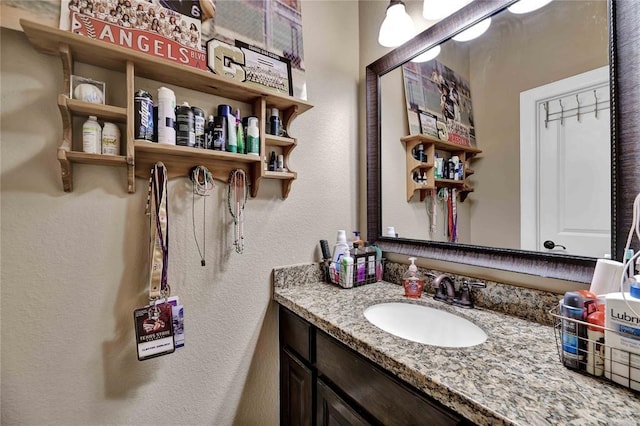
[434,10]
[397,26]
[476,31]
[428,55]
[526,6]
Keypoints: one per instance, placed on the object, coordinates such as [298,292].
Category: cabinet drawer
[385,397]
[297,334]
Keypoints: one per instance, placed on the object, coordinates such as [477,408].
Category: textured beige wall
[73,264]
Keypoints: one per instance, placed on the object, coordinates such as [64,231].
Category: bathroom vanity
[336,366]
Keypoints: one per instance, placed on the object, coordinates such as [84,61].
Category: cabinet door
[331,410]
[296,391]
[387,399]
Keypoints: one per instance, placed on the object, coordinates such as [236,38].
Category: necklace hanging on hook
[237,198]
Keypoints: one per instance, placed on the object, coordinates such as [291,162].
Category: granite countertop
[515,377]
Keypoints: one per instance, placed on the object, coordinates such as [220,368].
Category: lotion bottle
[253,136]
[346,270]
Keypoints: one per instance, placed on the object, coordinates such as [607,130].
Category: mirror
[385,87]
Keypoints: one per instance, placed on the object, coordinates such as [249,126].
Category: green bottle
[240,136]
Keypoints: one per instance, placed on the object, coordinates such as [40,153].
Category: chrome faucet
[446,291]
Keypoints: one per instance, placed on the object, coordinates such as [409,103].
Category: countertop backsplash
[528,304]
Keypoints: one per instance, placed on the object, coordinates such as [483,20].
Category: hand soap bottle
[412,281]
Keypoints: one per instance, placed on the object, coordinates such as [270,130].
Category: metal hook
[561,113]
[578,113]
[546,114]
[596,96]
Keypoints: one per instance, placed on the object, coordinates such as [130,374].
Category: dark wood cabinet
[332,410]
[296,391]
[344,387]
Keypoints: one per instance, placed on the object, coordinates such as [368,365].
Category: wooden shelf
[180,160]
[141,155]
[279,175]
[105,112]
[430,145]
[271,140]
[442,145]
[97,159]
[101,54]
[449,183]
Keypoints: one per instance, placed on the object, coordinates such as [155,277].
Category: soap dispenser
[412,281]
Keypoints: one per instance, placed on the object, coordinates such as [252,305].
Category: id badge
[178,320]
[154,331]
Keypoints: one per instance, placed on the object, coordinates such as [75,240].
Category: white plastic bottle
[232,142]
[346,270]
[341,246]
[91,136]
[110,139]
[166,116]
[253,136]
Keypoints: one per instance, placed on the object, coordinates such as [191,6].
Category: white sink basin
[425,325]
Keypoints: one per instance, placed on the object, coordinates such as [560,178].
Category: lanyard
[159,232]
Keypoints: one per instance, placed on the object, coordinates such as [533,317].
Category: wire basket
[364,270]
[587,348]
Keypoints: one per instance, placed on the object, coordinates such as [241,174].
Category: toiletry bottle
[356,239]
[274,121]
[360,260]
[412,281]
[240,133]
[346,270]
[573,333]
[253,136]
[595,336]
[92,136]
[209,133]
[272,162]
[110,139]
[232,135]
[185,126]
[341,246]
[166,116]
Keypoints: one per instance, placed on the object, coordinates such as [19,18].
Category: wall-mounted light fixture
[476,31]
[435,10]
[397,26]
[526,6]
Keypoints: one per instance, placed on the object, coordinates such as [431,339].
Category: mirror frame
[624,66]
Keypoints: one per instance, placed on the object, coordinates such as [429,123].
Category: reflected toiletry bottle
[412,281]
